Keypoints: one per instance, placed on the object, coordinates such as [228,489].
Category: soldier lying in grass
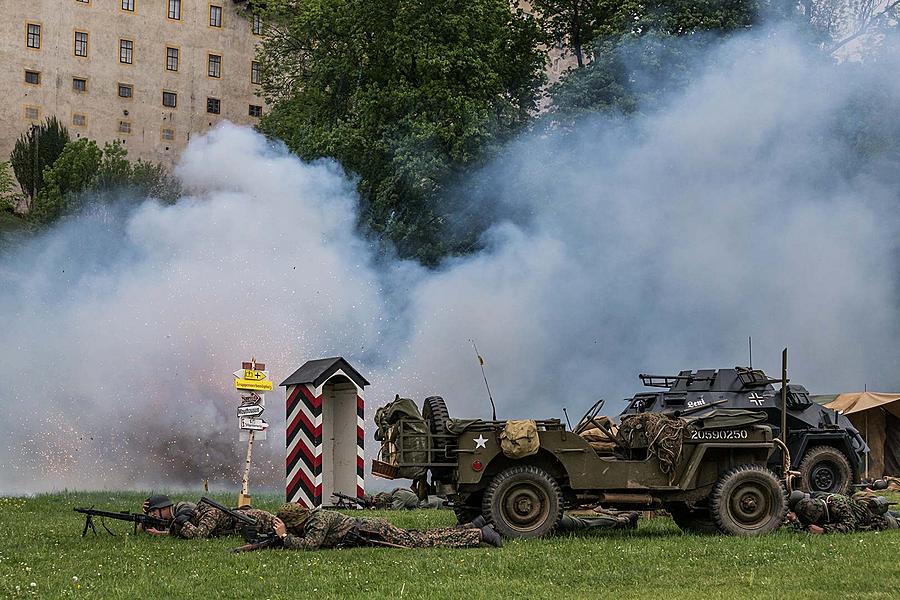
[303,529]
[191,521]
[829,513]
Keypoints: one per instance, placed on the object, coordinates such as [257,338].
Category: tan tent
[877,417]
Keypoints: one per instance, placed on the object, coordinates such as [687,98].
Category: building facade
[149,73]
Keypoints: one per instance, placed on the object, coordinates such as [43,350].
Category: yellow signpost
[251,377]
[253,384]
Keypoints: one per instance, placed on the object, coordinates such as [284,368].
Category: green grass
[43,555]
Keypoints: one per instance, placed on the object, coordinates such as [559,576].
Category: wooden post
[244,496]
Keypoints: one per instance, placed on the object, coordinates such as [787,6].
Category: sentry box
[324,432]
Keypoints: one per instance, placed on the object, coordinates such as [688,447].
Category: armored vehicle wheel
[748,500]
[825,469]
[523,502]
[693,520]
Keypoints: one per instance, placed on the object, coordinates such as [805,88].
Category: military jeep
[712,475]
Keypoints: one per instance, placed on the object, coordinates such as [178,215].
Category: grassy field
[43,555]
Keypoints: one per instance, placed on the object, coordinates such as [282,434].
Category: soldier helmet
[878,505]
[795,497]
[158,501]
[293,515]
[382,500]
[810,510]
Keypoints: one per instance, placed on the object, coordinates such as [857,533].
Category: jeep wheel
[825,469]
[523,502]
[693,520]
[748,500]
[435,413]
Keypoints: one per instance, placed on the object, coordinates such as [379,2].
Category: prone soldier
[303,529]
[404,498]
[196,521]
[830,513]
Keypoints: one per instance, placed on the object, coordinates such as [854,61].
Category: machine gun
[145,521]
[250,530]
[344,500]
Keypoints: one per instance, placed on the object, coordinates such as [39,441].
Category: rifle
[353,500]
[877,485]
[145,521]
[256,539]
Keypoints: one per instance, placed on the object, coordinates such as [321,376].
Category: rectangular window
[215,16]
[170,99]
[214,65]
[126,90]
[33,77]
[124,127]
[79,120]
[171,59]
[128,5]
[255,111]
[79,84]
[81,43]
[175,9]
[34,35]
[32,112]
[168,135]
[255,75]
[213,106]
[257,25]
[126,51]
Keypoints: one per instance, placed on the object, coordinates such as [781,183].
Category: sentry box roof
[318,371]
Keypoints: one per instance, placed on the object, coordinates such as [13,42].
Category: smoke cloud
[648,244]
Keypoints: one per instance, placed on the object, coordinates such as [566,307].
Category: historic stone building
[150,73]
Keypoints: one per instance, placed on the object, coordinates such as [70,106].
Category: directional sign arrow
[253,424]
[251,410]
[252,374]
[252,384]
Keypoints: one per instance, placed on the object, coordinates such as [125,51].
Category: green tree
[9,196]
[404,94]
[652,54]
[69,175]
[35,150]
[573,24]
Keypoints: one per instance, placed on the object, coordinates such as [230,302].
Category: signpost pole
[244,496]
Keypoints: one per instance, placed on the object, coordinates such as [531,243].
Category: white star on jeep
[480,442]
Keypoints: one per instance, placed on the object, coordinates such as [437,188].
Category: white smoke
[651,244]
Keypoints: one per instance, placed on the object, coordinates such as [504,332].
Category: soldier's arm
[840,518]
[312,538]
[203,529]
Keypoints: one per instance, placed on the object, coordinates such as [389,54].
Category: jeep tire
[523,502]
[826,469]
[748,500]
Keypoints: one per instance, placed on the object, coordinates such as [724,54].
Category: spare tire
[825,469]
[434,410]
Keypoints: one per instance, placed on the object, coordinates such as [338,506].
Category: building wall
[152,32]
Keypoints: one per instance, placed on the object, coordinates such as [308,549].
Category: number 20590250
[719,434]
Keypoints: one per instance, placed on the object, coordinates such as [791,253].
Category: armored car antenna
[481,362]
[750,343]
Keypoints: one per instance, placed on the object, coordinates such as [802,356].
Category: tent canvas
[876,415]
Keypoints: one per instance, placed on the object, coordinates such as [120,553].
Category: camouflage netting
[661,434]
[413,448]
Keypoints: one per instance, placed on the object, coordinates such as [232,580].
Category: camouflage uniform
[311,530]
[209,521]
[836,513]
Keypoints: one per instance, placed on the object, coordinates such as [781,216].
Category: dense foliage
[404,94]
[37,148]
[83,167]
